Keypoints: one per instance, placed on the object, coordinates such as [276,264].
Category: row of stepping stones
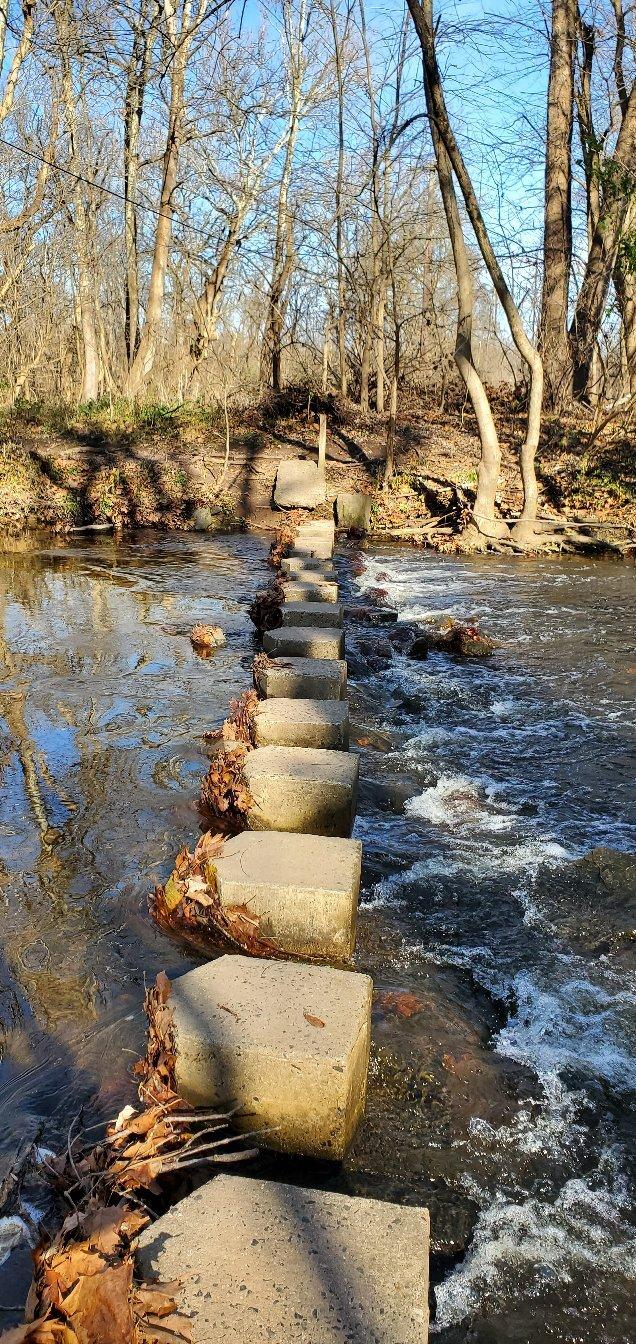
[286,1041]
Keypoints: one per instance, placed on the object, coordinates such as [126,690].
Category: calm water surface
[497,812]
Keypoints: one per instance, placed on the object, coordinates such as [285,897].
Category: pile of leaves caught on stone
[266,611]
[284,540]
[86,1289]
[189,905]
[224,799]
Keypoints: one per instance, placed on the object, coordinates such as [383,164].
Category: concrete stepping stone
[306,590]
[260,1261]
[299,485]
[318,527]
[304,642]
[302,789]
[293,565]
[304,889]
[312,613]
[303,679]
[286,1042]
[286,722]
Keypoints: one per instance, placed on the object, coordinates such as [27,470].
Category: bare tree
[557,237]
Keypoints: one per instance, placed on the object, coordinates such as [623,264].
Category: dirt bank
[114,465]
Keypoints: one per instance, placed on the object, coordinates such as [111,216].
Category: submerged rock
[592,902]
[419,649]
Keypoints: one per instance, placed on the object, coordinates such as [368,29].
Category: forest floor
[115,465]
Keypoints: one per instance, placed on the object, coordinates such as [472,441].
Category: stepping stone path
[303,678]
[287,1042]
[309,591]
[265,1261]
[325,614]
[303,641]
[302,723]
[302,789]
[303,888]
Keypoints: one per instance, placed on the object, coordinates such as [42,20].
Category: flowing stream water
[499,889]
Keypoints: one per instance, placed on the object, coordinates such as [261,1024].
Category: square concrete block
[312,548]
[302,723]
[303,679]
[299,485]
[303,888]
[312,613]
[353,509]
[302,789]
[304,642]
[310,590]
[248,1033]
[293,565]
[262,1261]
[324,528]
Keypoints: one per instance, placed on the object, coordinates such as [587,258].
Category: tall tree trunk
[339,189]
[179,45]
[136,78]
[625,288]
[617,175]
[557,237]
[271,352]
[86,278]
[422,14]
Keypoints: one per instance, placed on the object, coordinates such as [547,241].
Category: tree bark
[557,238]
[618,175]
[136,78]
[422,15]
[339,190]
[86,278]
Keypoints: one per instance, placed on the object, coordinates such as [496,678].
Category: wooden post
[322,444]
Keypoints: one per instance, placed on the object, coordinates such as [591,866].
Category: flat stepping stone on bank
[286,722]
[301,789]
[308,566]
[303,889]
[303,679]
[260,1260]
[285,1042]
[312,613]
[299,485]
[304,642]
[306,590]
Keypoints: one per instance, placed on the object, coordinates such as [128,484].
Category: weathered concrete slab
[286,722]
[303,679]
[353,509]
[303,888]
[304,642]
[312,613]
[302,789]
[295,564]
[310,590]
[264,1261]
[311,547]
[247,1032]
[299,485]
[318,527]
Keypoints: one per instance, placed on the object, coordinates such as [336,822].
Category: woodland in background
[202,203]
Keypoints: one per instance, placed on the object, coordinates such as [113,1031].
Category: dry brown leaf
[313,1021]
[401,1002]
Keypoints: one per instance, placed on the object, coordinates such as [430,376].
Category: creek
[499,891]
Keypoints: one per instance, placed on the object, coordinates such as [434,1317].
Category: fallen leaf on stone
[313,1021]
[401,1002]
[363,741]
[448,1063]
